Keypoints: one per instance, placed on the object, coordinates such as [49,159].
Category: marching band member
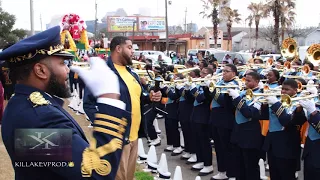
[222,118]
[273,77]
[149,116]
[185,109]
[246,133]
[282,142]
[310,155]
[171,120]
[200,118]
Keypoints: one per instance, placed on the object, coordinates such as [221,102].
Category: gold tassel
[63,37]
[84,39]
[71,42]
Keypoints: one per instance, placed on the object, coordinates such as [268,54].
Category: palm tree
[231,16]
[257,12]
[287,18]
[275,7]
[250,19]
[210,10]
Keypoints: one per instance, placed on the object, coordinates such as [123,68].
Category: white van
[193,52]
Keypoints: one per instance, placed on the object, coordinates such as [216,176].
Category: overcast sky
[307,10]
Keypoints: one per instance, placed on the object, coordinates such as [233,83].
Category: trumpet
[287,101]
[266,88]
[212,87]
[138,64]
[250,95]
[173,82]
[179,66]
[300,86]
[184,71]
[145,73]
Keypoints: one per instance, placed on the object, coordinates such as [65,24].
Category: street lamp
[133,25]
[167,26]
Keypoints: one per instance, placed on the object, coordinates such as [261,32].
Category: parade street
[173,161]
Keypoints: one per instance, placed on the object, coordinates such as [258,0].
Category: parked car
[243,57]
[274,56]
[154,59]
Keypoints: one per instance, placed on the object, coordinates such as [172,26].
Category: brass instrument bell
[287,101]
[289,48]
[313,54]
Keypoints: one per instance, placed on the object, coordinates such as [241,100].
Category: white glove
[310,82]
[312,90]
[261,85]
[193,85]
[187,86]
[308,104]
[208,76]
[257,106]
[272,100]
[207,83]
[179,86]
[233,93]
[162,85]
[100,79]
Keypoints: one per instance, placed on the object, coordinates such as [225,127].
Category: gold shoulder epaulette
[38,100]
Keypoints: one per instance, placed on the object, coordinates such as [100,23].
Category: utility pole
[41,22]
[185,21]
[95,21]
[31,17]
[167,28]
[133,26]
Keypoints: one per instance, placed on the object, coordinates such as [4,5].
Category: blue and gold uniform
[310,154]
[222,118]
[171,119]
[247,137]
[33,108]
[185,109]
[200,117]
[282,142]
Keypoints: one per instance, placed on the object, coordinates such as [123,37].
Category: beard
[58,89]
[128,60]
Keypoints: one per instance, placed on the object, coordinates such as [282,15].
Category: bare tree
[268,34]
[299,32]
[176,30]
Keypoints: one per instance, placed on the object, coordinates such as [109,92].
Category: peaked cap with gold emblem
[36,47]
